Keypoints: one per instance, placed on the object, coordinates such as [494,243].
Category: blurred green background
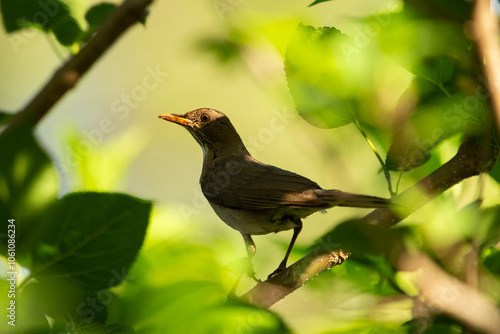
[228,55]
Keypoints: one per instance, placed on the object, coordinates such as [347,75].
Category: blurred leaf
[225,50]
[437,325]
[118,329]
[94,162]
[51,15]
[361,238]
[318,76]
[492,260]
[85,229]
[28,185]
[183,289]
[438,104]
[495,172]
[411,40]
[5,117]
[226,318]
[97,14]
[372,274]
[67,31]
[367,327]
[34,320]
[484,234]
[280,32]
[437,70]
[62,300]
[461,10]
[429,124]
[317,2]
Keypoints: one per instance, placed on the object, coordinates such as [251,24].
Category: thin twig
[387,173]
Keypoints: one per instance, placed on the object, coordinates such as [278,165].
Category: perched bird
[250,196]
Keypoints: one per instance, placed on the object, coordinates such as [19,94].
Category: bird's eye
[205,118]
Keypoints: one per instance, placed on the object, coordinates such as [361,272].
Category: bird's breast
[253,222]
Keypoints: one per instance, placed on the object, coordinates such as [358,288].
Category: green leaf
[495,172]
[492,260]
[64,301]
[118,329]
[437,70]
[5,117]
[225,50]
[28,185]
[51,15]
[67,31]
[410,39]
[317,2]
[372,274]
[97,14]
[358,237]
[91,239]
[461,10]
[317,65]
[430,123]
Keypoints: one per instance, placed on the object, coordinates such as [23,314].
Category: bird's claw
[281,268]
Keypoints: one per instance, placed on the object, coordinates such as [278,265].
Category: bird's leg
[250,246]
[282,266]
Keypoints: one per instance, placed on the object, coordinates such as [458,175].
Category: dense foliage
[78,255]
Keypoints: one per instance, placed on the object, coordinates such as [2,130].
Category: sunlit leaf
[318,76]
[94,162]
[371,274]
[48,15]
[430,123]
[410,40]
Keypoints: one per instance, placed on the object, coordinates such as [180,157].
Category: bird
[252,197]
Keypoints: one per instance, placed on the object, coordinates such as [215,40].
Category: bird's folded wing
[251,185]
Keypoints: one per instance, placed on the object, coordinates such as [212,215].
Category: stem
[381,161]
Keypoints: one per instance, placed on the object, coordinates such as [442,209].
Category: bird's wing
[248,184]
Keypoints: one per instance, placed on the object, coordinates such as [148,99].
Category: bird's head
[211,129]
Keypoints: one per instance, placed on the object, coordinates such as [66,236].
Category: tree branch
[445,293]
[486,34]
[469,161]
[67,76]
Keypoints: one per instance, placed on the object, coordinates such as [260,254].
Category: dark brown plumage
[250,196]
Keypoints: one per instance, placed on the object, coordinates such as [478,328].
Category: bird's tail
[340,198]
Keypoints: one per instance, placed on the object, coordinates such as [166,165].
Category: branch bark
[469,161]
[445,293]
[68,75]
[486,34]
